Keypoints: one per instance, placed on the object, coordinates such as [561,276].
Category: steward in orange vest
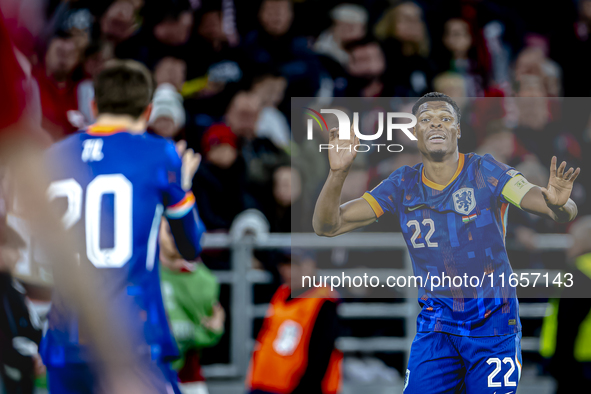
[295,350]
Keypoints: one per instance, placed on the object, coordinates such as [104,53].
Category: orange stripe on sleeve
[373,203]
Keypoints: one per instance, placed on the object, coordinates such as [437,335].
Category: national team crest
[464,200]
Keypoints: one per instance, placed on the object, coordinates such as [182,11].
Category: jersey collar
[439,187]
[103,130]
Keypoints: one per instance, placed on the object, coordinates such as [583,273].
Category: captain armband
[515,189]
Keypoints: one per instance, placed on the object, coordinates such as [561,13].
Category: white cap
[169,103]
[351,13]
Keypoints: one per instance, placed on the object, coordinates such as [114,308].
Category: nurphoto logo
[345,129]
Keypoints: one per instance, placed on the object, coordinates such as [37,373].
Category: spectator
[287,191]
[270,89]
[455,86]
[172,71]
[538,132]
[405,40]
[533,61]
[95,57]
[20,330]
[118,23]
[214,63]
[165,32]
[220,181]
[78,23]
[260,154]
[216,70]
[367,70]
[276,47]
[349,23]
[168,115]
[58,85]
[191,297]
[460,56]
[570,46]
[283,362]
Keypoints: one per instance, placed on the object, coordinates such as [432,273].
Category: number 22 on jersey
[122,190]
[417,231]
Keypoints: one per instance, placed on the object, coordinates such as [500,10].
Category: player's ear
[94,108]
[459,132]
[147,112]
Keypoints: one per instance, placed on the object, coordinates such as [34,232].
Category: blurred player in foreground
[452,209]
[21,144]
[295,350]
[115,182]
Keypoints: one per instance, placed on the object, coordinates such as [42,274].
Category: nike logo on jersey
[410,209]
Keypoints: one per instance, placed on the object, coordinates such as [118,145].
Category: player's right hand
[191,161]
[342,154]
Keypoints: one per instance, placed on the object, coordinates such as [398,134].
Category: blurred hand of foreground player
[191,161]
[342,154]
[560,184]
[128,380]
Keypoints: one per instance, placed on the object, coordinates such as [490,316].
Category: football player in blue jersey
[115,183]
[452,209]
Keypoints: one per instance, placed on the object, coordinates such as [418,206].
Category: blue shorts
[80,379]
[444,363]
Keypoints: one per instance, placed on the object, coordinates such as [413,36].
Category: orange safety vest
[281,353]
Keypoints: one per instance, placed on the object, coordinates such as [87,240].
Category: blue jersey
[457,230]
[115,187]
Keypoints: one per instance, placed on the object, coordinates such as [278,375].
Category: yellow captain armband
[515,189]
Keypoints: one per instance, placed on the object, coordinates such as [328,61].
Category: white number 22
[122,190]
[494,373]
[417,232]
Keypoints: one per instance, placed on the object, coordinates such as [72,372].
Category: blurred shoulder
[66,144]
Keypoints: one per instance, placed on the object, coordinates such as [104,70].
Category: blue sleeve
[185,224]
[173,193]
[187,232]
[496,175]
[382,198]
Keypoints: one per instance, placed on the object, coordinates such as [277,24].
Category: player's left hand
[560,184]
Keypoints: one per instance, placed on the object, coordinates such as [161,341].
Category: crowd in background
[226,70]
[225,73]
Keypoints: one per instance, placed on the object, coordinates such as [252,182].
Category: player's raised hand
[342,154]
[191,161]
[560,184]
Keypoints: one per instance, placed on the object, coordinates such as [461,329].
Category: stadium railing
[242,277]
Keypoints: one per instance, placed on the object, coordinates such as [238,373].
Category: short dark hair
[436,96]
[123,87]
